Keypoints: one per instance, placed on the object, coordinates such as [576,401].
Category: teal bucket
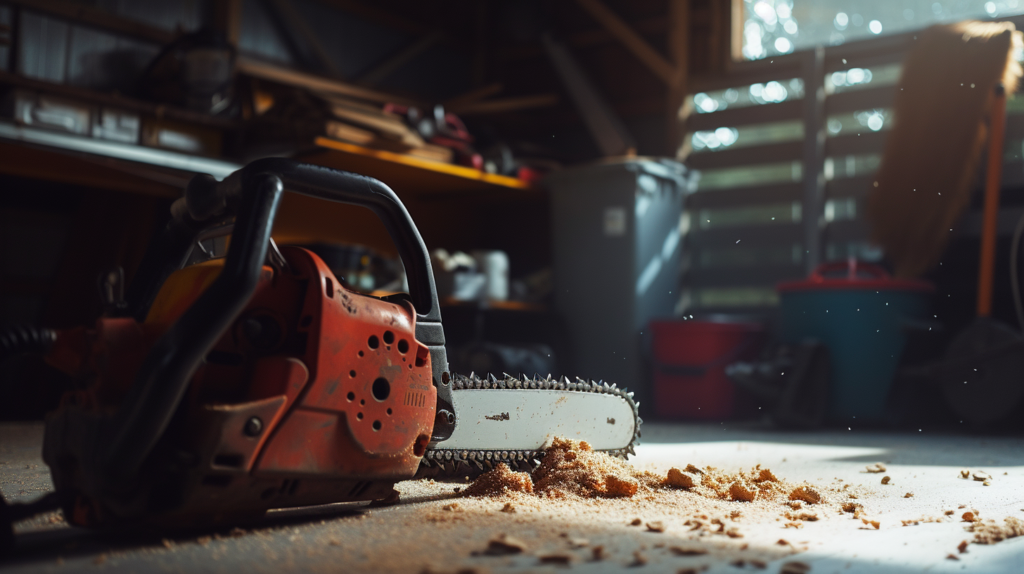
[862,316]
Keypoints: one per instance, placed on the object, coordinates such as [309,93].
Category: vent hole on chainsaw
[373,342]
[403,346]
[352,374]
[329,287]
[389,411]
[360,353]
[381,389]
[389,337]
[359,416]
[229,460]
[351,396]
[376,425]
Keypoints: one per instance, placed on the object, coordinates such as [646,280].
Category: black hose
[31,340]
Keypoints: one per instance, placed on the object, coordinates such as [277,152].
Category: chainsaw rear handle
[252,196]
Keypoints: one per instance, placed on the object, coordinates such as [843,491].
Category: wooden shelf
[408,174]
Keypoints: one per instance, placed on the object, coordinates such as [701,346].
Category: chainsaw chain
[441,462]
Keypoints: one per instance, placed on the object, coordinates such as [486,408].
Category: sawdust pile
[500,481]
[989,532]
[573,469]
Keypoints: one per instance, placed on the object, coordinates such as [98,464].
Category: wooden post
[813,73]
[679,51]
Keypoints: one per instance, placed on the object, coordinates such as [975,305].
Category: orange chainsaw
[218,390]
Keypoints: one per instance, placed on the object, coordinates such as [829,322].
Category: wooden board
[407,174]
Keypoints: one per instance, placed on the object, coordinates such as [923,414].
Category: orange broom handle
[990,217]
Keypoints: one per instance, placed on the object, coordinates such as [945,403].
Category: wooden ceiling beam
[629,38]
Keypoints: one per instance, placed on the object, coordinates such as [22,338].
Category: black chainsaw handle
[208,200]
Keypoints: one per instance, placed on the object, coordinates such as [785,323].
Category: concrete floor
[354,538]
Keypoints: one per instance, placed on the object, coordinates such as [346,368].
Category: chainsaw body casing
[307,393]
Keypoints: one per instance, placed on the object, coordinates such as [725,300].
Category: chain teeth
[472,462]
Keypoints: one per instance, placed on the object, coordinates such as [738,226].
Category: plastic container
[689,366]
[862,316]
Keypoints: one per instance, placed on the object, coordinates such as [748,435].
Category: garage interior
[790,228]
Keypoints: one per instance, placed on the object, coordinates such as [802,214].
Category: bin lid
[858,276]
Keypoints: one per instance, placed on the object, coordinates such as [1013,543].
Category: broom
[928,166]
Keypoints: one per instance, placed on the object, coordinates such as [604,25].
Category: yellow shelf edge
[435,166]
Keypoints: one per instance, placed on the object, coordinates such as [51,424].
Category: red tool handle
[851,266]
[989,224]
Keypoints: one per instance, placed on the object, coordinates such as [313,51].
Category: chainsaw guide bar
[533,412]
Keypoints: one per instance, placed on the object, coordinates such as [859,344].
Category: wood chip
[741,492]
[851,507]
[970,516]
[636,522]
[952,557]
[556,558]
[687,550]
[504,544]
[508,507]
[759,564]
[908,495]
[655,526]
[806,494]
[965,473]
[639,559]
[597,553]
[949,512]
[980,476]
[783,542]
[876,468]
[795,568]
[874,523]
[885,480]
[578,543]
[962,547]
[739,563]
[679,479]
[987,483]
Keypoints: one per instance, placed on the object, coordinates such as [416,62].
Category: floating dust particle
[504,544]
[962,547]
[885,480]
[203,540]
[806,494]
[167,543]
[876,468]
[499,481]
[989,532]
[99,559]
[655,526]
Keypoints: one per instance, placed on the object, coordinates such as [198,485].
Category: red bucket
[689,366]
